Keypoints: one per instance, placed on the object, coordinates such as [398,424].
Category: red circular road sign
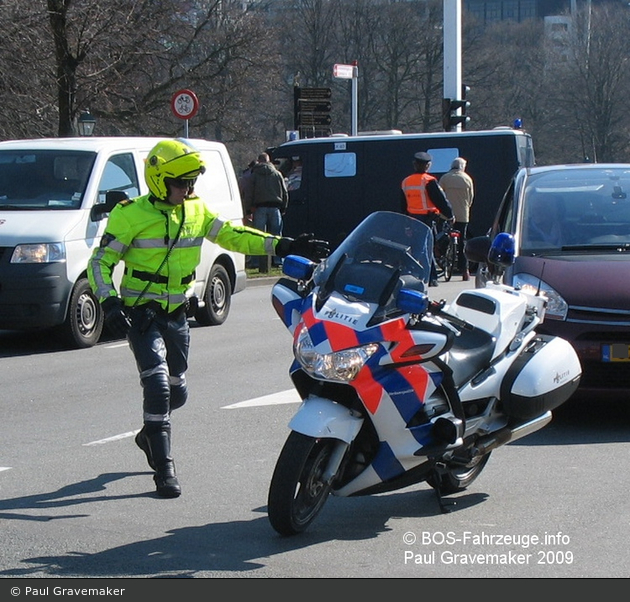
[184,104]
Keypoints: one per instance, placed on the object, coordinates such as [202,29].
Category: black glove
[115,317]
[305,245]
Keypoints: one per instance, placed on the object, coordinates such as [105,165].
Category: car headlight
[557,307]
[39,253]
[339,366]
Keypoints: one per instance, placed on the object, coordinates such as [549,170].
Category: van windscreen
[43,179]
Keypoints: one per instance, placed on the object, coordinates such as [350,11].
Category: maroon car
[571,225]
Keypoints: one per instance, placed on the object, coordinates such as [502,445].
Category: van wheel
[84,322]
[217,298]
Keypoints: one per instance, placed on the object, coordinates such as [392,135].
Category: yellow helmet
[171,159]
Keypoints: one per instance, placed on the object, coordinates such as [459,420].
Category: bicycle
[446,249]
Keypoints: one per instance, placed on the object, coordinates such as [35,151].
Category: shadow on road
[585,420]
[246,545]
[231,546]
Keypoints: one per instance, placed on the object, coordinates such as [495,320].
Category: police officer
[158,236]
[423,198]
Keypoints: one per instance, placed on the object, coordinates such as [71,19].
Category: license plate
[617,352]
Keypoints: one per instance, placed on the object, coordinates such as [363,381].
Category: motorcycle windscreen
[384,252]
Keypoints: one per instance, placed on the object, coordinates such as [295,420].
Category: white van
[53,213]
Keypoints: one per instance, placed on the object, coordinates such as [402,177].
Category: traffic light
[454,111]
[464,95]
[450,116]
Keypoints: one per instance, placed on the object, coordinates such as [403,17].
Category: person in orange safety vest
[423,198]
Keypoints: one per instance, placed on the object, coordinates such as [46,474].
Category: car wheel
[217,298]
[84,322]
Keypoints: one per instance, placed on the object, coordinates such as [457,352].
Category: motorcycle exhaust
[507,435]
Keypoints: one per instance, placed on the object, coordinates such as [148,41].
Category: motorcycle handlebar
[437,309]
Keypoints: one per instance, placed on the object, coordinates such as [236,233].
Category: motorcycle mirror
[502,251]
[476,249]
[412,302]
[298,267]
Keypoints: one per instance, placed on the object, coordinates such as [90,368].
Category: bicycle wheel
[447,261]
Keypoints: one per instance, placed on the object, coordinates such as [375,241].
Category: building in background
[489,11]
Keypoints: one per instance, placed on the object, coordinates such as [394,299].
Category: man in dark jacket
[267,197]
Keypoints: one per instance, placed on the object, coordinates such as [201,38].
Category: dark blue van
[337,181]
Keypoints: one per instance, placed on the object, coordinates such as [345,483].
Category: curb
[447,290]
[262,281]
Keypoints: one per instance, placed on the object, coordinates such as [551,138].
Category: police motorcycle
[398,389]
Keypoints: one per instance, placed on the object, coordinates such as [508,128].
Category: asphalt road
[77,498]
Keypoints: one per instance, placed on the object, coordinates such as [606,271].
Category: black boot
[166,482]
[142,441]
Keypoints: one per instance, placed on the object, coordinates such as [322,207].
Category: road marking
[110,439]
[5,468]
[116,345]
[289,396]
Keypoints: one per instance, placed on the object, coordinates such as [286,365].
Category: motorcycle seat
[472,350]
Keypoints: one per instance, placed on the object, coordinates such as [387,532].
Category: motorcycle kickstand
[438,470]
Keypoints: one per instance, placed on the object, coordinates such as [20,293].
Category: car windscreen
[577,209]
[43,179]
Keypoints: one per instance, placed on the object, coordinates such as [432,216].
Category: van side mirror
[112,198]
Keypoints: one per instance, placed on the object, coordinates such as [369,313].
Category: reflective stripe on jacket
[140,233]
[415,189]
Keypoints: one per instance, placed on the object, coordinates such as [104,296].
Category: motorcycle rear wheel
[297,492]
[457,476]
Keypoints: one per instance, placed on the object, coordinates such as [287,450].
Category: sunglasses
[181,183]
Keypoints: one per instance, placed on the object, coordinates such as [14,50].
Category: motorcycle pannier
[543,377]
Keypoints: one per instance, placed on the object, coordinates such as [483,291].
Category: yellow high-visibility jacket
[141,231]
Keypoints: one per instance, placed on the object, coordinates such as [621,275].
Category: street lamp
[86,123]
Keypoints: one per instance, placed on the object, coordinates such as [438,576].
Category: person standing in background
[245,182]
[268,197]
[423,198]
[460,191]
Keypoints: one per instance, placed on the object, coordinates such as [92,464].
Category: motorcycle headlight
[557,307]
[339,366]
[39,253]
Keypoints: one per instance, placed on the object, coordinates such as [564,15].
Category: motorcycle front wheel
[297,492]
[457,476]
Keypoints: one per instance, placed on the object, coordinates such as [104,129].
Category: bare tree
[505,70]
[124,60]
[595,83]
[307,40]
[398,49]
[27,95]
